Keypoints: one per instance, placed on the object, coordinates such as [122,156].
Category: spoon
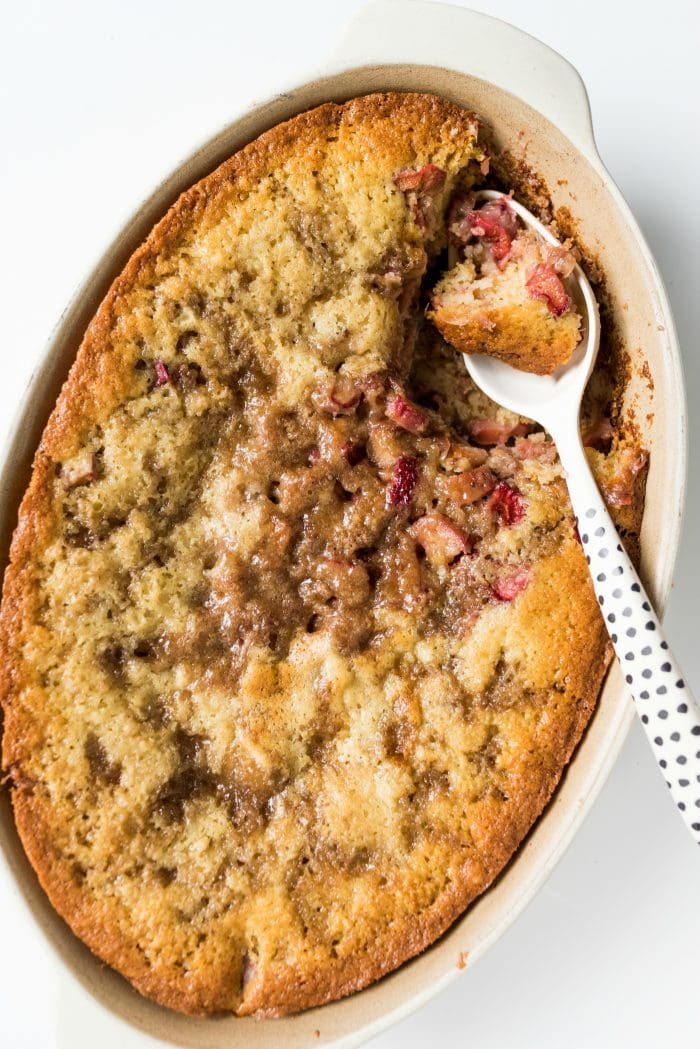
[667,709]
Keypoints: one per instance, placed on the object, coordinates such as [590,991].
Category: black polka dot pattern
[668,712]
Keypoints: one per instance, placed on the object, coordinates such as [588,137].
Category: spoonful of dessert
[543,378]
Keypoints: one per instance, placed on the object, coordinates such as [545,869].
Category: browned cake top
[297,633]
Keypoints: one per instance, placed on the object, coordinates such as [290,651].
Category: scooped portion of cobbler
[506,296]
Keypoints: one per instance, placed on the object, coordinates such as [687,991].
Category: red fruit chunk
[403,481]
[495,236]
[501,212]
[508,587]
[543,283]
[490,431]
[162,373]
[406,414]
[441,539]
[426,179]
[497,224]
[507,504]
[526,448]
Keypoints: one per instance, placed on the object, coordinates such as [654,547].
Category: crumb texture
[297,634]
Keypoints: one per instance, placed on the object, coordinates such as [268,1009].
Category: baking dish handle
[451,37]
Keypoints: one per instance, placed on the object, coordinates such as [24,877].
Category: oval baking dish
[522,90]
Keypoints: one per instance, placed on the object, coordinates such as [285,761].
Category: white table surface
[98,100]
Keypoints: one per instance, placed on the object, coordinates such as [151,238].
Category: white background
[98,102]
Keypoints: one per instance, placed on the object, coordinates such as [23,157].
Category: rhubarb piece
[426,179]
[441,539]
[162,373]
[422,186]
[506,297]
[530,448]
[403,481]
[406,414]
[491,431]
[459,231]
[544,283]
[468,487]
[497,224]
[509,586]
[83,469]
[507,504]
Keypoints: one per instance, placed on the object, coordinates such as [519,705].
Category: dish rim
[52,365]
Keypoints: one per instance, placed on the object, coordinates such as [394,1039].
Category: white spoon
[668,711]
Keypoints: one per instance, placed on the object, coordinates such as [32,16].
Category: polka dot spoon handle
[667,709]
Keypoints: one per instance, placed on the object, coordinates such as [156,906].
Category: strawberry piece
[508,587]
[427,179]
[441,539]
[162,373]
[507,504]
[403,481]
[406,414]
[490,431]
[543,283]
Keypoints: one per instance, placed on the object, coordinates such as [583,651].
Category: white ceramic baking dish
[526,92]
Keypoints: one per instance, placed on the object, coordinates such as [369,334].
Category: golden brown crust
[410,130]
[518,338]
[291,990]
